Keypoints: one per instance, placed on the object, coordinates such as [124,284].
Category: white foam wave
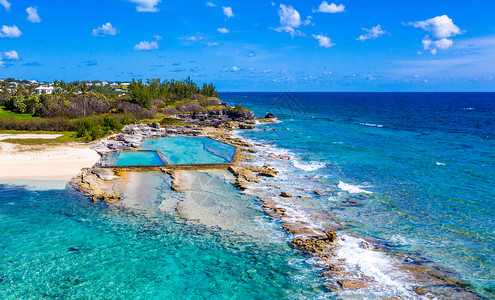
[311,166]
[371,125]
[352,189]
[372,263]
[440,164]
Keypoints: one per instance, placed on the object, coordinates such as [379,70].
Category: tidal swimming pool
[191,150]
[133,158]
[175,151]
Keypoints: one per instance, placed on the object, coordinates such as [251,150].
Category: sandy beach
[61,162]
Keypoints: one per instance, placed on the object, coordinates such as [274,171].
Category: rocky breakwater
[218,118]
[100,184]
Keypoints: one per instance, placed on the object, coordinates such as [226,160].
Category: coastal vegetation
[93,110]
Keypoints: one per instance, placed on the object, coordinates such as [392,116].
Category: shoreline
[44,162]
[313,231]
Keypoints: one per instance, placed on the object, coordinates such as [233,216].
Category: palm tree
[84,91]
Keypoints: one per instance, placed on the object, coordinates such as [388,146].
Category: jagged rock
[176,188]
[266,171]
[245,126]
[244,173]
[331,235]
[241,184]
[285,195]
[104,174]
[317,192]
[270,116]
[352,284]
[280,156]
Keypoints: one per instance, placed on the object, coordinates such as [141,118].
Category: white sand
[29,136]
[61,162]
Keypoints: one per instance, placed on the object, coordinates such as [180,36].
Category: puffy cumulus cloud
[210,4]
[33,16]
[228,11]
[146,46]
[290,19]
[235,69]
[223,30]
[146,5]
[11,55]
[441,29]
[5,4]
[324,41]
[372,33]
[330,8]
[105,29]
[10,32]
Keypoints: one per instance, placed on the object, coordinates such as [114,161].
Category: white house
[44,90]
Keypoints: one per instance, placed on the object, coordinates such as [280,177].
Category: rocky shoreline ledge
[313,234]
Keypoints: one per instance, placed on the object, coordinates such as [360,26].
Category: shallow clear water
[413,170]
[58,244]
[191,150]
[139,158]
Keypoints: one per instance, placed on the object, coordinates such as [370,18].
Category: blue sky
[349,45]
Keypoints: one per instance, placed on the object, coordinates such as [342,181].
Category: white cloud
[146,5]
[290,19]
[194,38]
[11,55]
[5,4]
[210,4]
[105,29]
[372,33]
[228,11]
[267,71]
[223,30]
[10,32]
[235,69]
[324,41]
[33,16]
[330,8]
[147,46]
[441,29]
[213,44]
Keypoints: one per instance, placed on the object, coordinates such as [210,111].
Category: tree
[84,91]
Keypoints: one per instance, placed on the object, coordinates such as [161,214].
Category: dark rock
[285,195]
[246,126]
[73,249]
[270,116]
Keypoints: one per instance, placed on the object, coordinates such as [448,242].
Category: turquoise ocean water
[412,171]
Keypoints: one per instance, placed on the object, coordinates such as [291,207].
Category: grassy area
[170,122]
[67,137]
[6,114]
[177,103]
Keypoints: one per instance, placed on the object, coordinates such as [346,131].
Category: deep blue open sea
[428,159]
[417,168]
